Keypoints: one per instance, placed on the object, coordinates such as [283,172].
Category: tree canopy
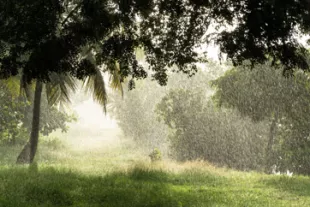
[39,36]
[264,94]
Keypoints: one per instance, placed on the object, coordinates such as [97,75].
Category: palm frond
[115,77]
[95,85]
[59,88]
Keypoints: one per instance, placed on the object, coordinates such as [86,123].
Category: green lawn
[121,177]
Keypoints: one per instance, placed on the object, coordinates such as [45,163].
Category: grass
[117,176]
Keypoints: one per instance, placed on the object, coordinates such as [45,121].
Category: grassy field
[119,176]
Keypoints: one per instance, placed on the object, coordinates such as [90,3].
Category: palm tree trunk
[34,136]
[29,151]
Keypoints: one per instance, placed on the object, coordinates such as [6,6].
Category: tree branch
[71,13]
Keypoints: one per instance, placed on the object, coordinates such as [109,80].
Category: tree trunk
[28,153]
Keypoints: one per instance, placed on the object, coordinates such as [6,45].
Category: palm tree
[58,91]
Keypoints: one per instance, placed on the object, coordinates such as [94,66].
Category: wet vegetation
[237,118]
[118,176]
[183,130]
[178,145]
[194,142]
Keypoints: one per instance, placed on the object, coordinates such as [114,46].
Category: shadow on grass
[138,187]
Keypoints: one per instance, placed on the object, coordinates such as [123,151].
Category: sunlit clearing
[93,130]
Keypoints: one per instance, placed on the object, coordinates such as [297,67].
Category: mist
[207,117]
[93,129]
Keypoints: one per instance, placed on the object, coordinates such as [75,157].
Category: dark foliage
[39,36]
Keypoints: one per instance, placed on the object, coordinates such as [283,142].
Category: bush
[155,155]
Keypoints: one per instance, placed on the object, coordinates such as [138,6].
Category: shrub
[155,155]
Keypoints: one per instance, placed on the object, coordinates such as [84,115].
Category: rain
[179,103]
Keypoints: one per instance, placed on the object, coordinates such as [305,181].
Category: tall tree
[264,94]
[57,90]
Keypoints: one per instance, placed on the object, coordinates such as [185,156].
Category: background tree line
[244,119]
